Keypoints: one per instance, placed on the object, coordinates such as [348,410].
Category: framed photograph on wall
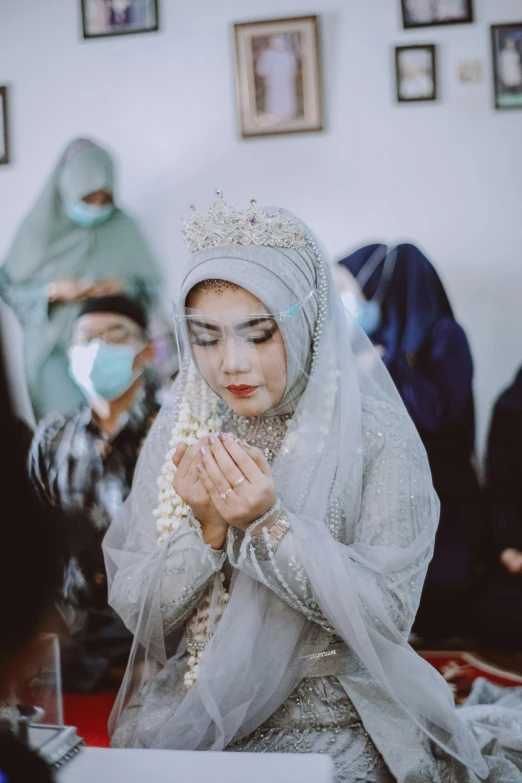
[4,127]
[103,18]
[416,73]
[278,76]
[427,13]
[507,65]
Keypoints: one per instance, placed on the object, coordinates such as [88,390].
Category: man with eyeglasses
[85,462]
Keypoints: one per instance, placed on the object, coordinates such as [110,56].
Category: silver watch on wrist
[279,529]
[276,532]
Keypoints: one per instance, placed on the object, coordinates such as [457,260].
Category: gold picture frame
[278,76]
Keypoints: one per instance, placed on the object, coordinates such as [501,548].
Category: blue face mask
[88,215]
[102,370]
[369,317]
[366,313]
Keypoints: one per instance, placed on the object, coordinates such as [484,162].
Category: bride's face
[242,358]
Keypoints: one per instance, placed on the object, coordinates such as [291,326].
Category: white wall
[446,175]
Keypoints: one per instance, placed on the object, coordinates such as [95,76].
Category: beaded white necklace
[196,418]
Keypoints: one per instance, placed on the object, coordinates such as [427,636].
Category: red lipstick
[242,391]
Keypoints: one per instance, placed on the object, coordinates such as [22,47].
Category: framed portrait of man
[104,18]
[429,13]
[4,127]
[278,76]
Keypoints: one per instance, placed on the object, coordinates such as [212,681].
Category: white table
[103,765]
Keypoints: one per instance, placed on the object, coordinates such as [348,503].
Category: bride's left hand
[242,472]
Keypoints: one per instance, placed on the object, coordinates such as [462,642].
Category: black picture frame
[408,24]
[509,98]
[433,94]
[125,29]
[5,157]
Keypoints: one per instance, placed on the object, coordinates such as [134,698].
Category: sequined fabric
[266,434]
[318,718]
[323,713]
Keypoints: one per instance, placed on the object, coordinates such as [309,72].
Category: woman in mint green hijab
[74,244]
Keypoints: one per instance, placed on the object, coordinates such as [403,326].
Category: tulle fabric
[366,581]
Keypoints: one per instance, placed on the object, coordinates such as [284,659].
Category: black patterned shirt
[89,475]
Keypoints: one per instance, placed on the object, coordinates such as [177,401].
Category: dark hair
[32,557]
[32,553]
[120,305]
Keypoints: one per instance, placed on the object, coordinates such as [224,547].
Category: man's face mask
[104,370]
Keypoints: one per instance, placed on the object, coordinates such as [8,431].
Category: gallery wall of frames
[279,69]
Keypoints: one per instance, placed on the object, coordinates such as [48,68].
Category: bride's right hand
[190,489]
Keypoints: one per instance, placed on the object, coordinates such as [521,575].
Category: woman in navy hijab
[400,301]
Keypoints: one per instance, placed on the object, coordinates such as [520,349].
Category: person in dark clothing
[398,298]
[85,462]
[499,605]
[32,559]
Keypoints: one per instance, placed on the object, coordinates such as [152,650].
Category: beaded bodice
[266,434]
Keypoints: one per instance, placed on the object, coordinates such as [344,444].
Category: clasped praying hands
[225,481]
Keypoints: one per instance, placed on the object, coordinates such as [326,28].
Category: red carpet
[90,713]
[459,669]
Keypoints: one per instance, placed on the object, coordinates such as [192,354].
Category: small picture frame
[4,127]
[278,76]
[432,13]
[506,40]
[416,73]
[107,18]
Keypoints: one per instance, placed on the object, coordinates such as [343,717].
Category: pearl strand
[190,426]
[198,635]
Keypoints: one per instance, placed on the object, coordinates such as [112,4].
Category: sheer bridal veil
[366,580]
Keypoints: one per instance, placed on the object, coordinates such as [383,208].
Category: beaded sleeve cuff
[217,557]
[265,537]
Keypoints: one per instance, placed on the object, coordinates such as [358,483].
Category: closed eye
[204,334]
[257,330]
[263,337]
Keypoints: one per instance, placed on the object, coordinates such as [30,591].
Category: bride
[283,515]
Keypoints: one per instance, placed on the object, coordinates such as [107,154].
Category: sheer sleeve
[189,566]
[186,563]
[391,462]
[278,568]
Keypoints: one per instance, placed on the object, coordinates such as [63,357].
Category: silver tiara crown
[225,225]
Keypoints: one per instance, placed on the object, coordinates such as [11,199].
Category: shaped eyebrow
[254,322]
[203,325]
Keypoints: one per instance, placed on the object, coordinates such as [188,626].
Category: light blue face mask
[366,313]
[369,316]
[102,370]
[88,215]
